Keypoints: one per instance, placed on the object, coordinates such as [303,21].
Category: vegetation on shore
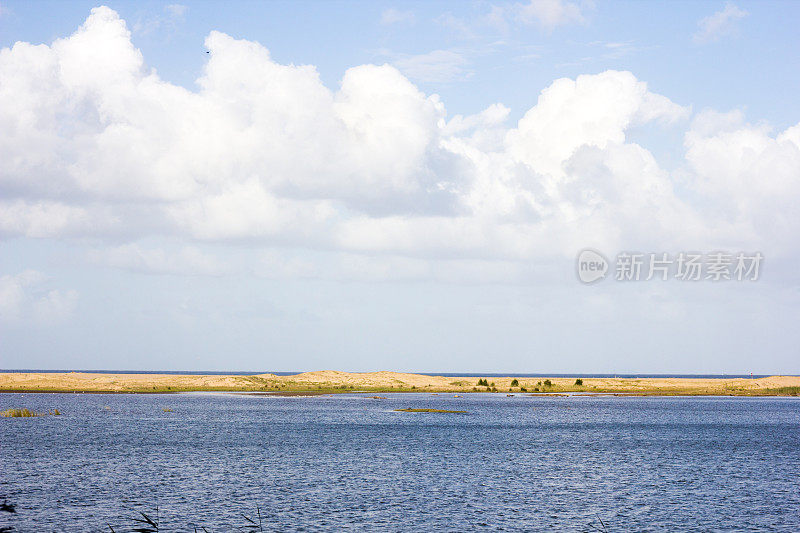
[331,382]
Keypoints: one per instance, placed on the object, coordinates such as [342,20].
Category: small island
[410,410]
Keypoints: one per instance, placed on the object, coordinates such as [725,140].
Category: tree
[514,382]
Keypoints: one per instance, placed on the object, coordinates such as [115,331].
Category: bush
[579,382]
[523,389]
[514,382]
[483,383]
[548,383]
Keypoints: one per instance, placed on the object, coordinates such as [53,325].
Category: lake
[350,462]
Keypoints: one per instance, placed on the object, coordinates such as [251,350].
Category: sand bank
[384,381]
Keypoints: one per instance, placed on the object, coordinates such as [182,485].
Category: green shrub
[579,382]
[514,382]
[523,389]
[548,383]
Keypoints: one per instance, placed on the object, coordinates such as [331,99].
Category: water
[349,462]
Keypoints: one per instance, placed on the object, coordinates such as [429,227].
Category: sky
[276,186]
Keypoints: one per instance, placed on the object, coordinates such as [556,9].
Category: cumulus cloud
[25,298]
[96,145]
[751,173]
[721,24]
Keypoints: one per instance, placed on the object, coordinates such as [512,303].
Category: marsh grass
[149,523]
[144,523]
[25,413]
[780,391]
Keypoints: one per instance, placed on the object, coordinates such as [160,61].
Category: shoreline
[329,382]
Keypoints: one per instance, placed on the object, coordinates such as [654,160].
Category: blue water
[349,462]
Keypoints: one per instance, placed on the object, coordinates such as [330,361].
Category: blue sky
[166,208]
[756,68]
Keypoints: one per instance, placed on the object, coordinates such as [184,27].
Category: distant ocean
[446,374]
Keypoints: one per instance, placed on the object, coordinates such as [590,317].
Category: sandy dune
[383,381]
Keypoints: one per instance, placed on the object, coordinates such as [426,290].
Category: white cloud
[96,145]
[549,14]
[721,24]
[176,10]
[353,267]
[185,260]
[24,297]
[751,175]
[394,16]
[166,22]
[438,66]
[545,14]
